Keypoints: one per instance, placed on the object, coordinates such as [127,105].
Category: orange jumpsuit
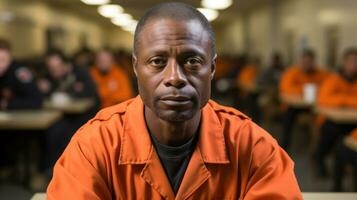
[336,91]
[294,79]
[112,157]
[247,76]
[113,87]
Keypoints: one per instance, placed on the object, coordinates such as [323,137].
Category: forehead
[167,33]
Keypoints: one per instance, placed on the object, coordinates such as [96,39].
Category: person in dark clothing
[75,82]
[18,91]
[17,84]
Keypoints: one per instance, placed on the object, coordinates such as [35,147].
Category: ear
[213,66]
[134,60]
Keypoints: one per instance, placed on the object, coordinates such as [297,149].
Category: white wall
[307,20]
[27,32]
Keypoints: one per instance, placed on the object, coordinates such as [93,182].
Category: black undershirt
[175,159]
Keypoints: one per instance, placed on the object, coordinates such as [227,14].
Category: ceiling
[138,7]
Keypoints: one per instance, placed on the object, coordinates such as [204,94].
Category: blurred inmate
[171,141]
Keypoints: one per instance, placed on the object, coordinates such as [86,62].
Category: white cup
[310,90]
[60,99]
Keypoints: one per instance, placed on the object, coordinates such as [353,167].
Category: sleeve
[332,95]
[77,174]
[25,92]
[271,173]
[289,84]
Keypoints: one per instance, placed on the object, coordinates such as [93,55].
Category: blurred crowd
[280,93]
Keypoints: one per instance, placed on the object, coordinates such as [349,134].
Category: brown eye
[193,61]
[158,62]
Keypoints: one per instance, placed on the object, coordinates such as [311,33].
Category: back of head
[175,11]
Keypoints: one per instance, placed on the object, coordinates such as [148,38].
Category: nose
[174,76]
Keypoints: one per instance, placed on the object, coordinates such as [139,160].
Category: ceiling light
[122,19]
[210,14]
[131,26]
[95,2]
[216,4]
[110,10]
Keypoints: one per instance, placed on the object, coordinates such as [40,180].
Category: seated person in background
[63,77]
[270,77]
[112,81]
[18,91]
[18,88]
[246,84]
[268,81]
[339,90]
[75,82]
[171,141]
[83,58]
[346,154]
[292,83]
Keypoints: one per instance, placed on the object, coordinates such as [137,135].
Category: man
[62,77]
[338,91]
[171,142]
[292,84]
[112,81]
[17,84]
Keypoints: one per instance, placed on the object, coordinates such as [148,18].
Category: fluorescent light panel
[210,14]
[216,4]
[95,2]
[110,10]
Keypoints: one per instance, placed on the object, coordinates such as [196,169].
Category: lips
[176,100]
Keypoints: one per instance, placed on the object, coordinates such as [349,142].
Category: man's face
[307,63]
[174,68]
[104,61]
[350,65]
[56,66]
[5,60]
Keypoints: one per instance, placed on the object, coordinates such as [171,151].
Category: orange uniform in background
[247,76]
[336,91]
[113,87]
[354,134]
[294,79]
[112,157]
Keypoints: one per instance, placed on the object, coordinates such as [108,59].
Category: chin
[175,116]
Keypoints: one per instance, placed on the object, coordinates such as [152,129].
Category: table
[27,122]
[74,106]
[329,196]
[296,101]
[306,196]
[28,119]
[339,115]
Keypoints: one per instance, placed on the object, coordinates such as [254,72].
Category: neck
[172,133]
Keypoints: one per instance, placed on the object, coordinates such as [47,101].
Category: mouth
[176,100]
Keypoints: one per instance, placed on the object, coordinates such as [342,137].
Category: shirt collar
[136,144]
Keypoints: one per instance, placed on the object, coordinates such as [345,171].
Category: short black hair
[176,11]
[349,52]
[59,53]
